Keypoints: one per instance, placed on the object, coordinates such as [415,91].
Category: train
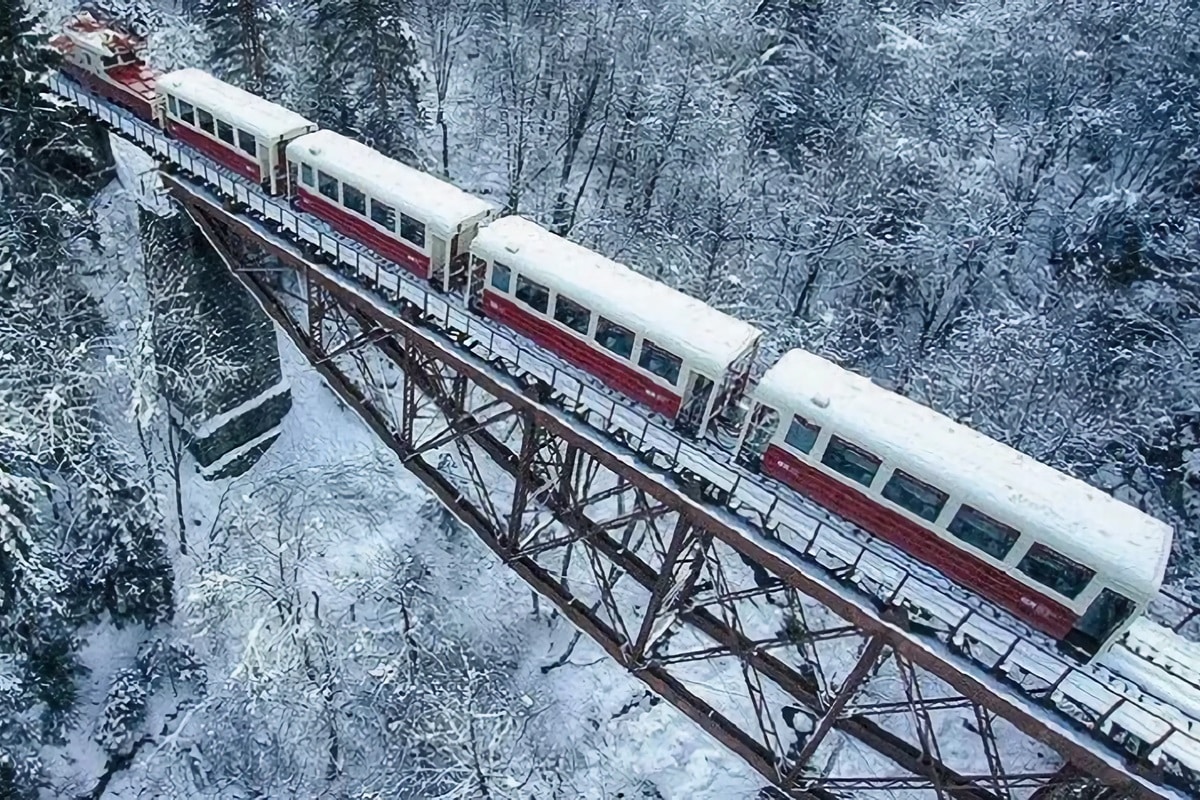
[1066,558]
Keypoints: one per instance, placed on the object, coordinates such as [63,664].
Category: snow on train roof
[1076,519]
[439,204]
[710,339]
[264,119]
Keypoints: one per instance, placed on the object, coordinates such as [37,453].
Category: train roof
[266,120]
[1082,522]
[439,204]
[710,339]
[95,34]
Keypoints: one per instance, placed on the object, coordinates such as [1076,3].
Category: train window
[247,143]
[186,112]
[206,121]
[306,176]
[573,315]
[855,463]
[109,61]
[502,277]
[413,230]
[1055,570]
[533,294]
[225,133]
[612,336]
[662,363]
[383,215]
[327,186]
[913,495]
[353,199]
[981,531]
[172,105]
[802,434]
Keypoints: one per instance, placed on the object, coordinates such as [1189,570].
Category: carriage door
[278,167]
[439,268]
[696,400]
[756,435]
[266,166]
[1106,613]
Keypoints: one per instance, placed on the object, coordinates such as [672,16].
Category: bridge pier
[217,351]
[98,140]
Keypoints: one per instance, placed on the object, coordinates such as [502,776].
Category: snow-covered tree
[78,537]
[41,141]
[245,35]
[445,26]
[366,78]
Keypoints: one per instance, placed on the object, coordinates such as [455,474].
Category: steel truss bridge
[856,670]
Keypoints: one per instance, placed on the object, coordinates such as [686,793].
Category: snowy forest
[986,206]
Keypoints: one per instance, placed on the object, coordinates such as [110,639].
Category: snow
[1161,663]
[797,529]
[442,206]
[97,41]
[215,423]
[708,339]
[476,597]
[1124,545]
[237,452]
[138,174]
[266,120]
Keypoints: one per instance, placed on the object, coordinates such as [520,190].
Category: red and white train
[662,348]
[107,62]
[1064,556]
[1068,559]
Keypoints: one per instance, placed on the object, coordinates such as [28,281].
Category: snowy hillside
[991,208]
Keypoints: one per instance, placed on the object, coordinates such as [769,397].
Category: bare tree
[445,28]
[586,91]
[520,44]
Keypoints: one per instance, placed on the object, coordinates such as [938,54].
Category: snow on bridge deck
[794,535]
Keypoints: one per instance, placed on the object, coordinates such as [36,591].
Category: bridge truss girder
[658,587]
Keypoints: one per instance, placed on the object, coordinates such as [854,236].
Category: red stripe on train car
[120,95]
[995,584]
[612,372]
[358,229]
[217,151]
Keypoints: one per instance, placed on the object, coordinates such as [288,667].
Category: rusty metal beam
[866,662]
[685,554]
[661,682]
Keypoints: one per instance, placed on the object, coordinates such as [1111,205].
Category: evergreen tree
[20,767]
[368,76]
[126,571]
[42,145]
[244,35]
